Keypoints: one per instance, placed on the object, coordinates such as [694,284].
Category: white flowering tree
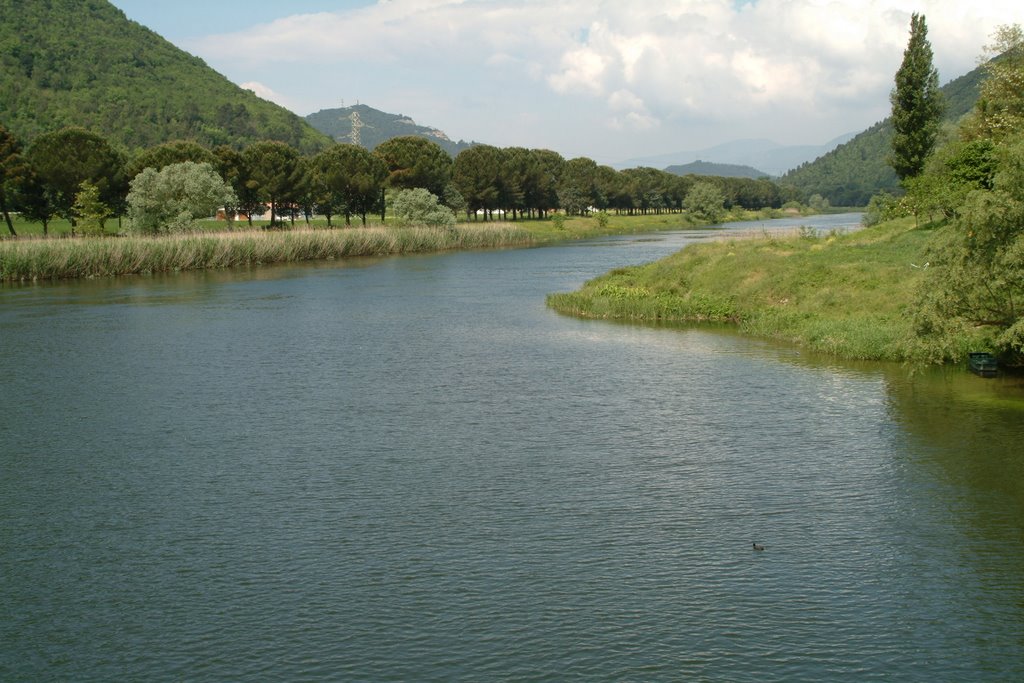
[171,199]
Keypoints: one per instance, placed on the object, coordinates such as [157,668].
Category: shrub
[705,201]
[882,207]
[421,207]
[89,210]
[171,199]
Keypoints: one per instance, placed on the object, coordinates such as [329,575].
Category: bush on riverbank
[847,295]
[44,259]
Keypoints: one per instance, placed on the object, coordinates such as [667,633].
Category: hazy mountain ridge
[769,156]
[720,170]
[363,125]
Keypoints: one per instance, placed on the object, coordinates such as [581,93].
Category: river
[408,469]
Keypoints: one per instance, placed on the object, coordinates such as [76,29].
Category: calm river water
[408,469]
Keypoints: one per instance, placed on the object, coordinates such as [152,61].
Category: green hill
[83,63]
[850,174]
[366,126]
[713,169]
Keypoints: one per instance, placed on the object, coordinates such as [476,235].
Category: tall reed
[46,259]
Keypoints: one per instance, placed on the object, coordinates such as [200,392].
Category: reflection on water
[972,430]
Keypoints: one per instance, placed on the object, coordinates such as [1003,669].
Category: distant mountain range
[768,156]
[368,127]
[720,170]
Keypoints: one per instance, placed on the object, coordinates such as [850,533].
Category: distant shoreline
[35,258]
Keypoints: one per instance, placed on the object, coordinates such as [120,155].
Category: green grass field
[574,227]
[850,295]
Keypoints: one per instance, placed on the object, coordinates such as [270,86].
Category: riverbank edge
[848,296]
[37,259]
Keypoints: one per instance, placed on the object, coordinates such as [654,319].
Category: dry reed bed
[48,259]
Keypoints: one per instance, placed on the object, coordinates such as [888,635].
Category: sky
[610,80]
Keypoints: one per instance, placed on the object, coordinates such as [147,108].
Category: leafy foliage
[174,152]
[347,179]
[977,276]
[1000,110]
[475,174]
[954,171]
[705,201]
[65,159]
[420,207]
[273,173]
[90,210]
[578,188]
[83,63]
[415,162]
[13,172]
[170,199]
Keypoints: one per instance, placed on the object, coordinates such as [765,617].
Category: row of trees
[520,181]
[973,177]
[44,180]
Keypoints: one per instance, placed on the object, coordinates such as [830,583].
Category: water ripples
[320,477]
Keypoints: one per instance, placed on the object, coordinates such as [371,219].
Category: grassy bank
[581,227]
[61,227]
[846,295]
[43,259]
[574,227]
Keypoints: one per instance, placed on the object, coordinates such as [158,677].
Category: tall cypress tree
[916,104]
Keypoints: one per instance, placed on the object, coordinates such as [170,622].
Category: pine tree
[13,172]
[916,104]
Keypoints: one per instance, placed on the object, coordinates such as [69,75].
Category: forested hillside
[853,172]
[83,63]
[369,127]
[713,169]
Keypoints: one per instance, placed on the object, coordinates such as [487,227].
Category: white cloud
[789,68]
[581,70]
[266,93]
[630,112]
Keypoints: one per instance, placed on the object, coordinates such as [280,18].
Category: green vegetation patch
[848,295]
[46,259]
[66,63]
